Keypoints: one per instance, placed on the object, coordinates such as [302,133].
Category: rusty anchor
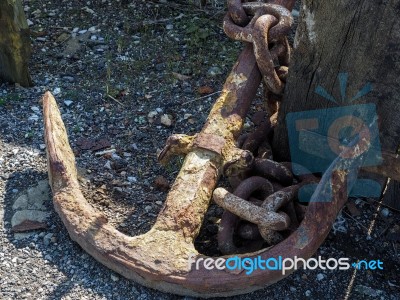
[159,259]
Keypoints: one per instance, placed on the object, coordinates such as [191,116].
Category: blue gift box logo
[317,137]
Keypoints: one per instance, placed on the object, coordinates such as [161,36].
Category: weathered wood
[358,37]
[392,195]
[15,46]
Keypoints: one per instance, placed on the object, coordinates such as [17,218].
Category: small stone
[38,195]
[32,215]
[92,29]
[115,156]
[148,208]
[293,289]
[132,179]
[68,78]
[367,291]
[63,37]
[295,13]
[151,116]
[93,37]
[186,116]
[308,293]
[82,31]
[42,146]
[68,102]
[107,165]
[166,120]
[75,30]
[214,71]
[15,151]
[47,239]
[320,276]
[30,23]
[56,91]
[21,202]
[385,212]
[114,278]
[35,109]
[33,117]
[169,26]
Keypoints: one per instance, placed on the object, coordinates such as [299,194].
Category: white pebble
[56,91]
[35,109]
[166,120]
[132,179]
[114,278]
[320,276]
[68,102]
[107,165]
[385,212]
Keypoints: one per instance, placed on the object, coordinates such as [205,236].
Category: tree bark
[15,46]
[357,37]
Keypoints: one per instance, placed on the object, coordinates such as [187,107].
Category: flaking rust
[159,258]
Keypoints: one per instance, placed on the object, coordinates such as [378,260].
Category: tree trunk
[15,46]
[358,39]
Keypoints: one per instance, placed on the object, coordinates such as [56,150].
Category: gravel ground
[126,82]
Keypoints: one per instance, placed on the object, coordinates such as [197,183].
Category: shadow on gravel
[62,263]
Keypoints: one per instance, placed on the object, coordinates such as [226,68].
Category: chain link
[265,26]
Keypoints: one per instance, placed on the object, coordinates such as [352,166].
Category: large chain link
[264,25]
[262,207]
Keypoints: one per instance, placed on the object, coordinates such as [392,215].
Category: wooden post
[357,37]
[15,46]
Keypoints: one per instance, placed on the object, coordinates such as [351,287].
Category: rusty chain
[262,209]
[264,25]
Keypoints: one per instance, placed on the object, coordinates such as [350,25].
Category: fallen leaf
[28,225]
[161,183]
[204,90]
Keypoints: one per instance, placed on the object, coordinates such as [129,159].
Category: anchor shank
[191,192]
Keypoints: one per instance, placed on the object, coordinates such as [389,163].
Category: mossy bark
[15,46]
